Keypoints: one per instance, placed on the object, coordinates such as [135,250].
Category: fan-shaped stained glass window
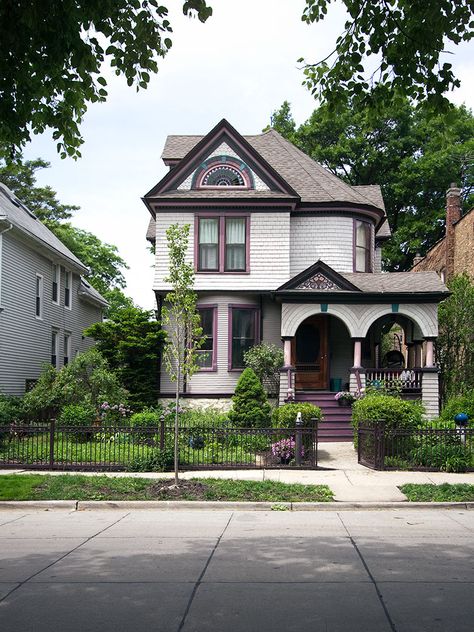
[223,176]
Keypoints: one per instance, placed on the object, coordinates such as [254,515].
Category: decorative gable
[319,278]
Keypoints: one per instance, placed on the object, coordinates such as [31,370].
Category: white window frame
[39,294]
[55,332]
[67,348]
[68,286]
[57,267]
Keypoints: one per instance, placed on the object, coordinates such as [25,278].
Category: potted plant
[344,398]
[285,449]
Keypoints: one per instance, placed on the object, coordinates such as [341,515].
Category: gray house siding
[25,341]
[222,381]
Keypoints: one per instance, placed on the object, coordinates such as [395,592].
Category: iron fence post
[298,442]
[52,429]
[379,435]
[314,439]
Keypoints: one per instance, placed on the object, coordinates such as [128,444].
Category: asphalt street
[197,571]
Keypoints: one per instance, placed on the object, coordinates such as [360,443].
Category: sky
[240,65]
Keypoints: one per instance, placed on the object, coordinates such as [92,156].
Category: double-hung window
[67,289]
[243,333]
[207,354]
[54,348]
[56,283]
[222,243]
[67,348]
[362,246]
[39,297]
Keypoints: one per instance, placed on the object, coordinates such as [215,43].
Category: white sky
[240,65]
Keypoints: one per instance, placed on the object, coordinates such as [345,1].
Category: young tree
[407,40]
[455,344]
[131,340]
[52,60]
[412,154]
[180,319]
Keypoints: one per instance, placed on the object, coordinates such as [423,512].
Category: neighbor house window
[54,348]
[67,289]
[362,246]
[67,348]
[243,333]
[56,282]
[39,296]
[222,244]
[208,231]
[207,354]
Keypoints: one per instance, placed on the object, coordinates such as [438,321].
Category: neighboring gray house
[45,304]
[286,252]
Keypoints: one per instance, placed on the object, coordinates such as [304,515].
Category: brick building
[454,253]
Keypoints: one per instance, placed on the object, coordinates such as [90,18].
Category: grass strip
[79,487]
[445,492]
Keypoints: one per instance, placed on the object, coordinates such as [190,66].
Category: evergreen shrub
[250,407]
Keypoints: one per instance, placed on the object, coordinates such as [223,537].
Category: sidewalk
[349,481]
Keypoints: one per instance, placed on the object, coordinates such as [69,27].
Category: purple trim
[213,368]
[217,161]
[231,307]
[221,244]
[369,257]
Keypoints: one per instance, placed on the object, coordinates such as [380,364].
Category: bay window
[207,354]
[221,243]
[362,246]
[243,333]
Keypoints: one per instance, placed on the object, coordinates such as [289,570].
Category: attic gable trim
[206,143]
[324,269]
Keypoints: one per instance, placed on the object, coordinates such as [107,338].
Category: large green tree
[413,154]
[102,259]
[131,340]
[390,47]
[53,54]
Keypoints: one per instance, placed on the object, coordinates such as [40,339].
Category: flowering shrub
[114,413]
[345,396]
[285,448]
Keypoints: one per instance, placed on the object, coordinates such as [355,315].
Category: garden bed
[438,493]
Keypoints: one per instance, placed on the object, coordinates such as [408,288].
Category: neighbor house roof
[27,223]
[90,294]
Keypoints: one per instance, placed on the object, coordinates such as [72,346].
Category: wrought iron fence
[53,447]
[425,448]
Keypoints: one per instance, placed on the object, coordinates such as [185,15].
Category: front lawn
[438,493]
[79,487]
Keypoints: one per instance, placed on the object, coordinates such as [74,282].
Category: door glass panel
[308,344]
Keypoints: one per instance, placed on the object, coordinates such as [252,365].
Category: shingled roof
[312,182]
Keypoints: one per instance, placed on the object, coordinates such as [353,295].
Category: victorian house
[287,253]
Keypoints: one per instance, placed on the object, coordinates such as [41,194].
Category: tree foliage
[52,60]
[411,153]
[266,360]
[407,43]
[131,341]
[455,343]
[103,260]
[180,319]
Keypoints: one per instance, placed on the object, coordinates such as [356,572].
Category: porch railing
[409,380]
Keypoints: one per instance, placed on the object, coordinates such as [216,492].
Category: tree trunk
[176,478]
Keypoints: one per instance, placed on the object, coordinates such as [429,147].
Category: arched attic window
[223,171]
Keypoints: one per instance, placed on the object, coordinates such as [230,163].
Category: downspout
[5,230]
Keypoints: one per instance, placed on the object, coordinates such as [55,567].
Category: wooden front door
[309,352]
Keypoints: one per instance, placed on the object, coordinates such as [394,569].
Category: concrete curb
[101,505]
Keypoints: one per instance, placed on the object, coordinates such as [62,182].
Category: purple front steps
[337,419]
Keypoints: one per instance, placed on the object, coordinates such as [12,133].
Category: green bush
[146,419]
[450,457]
[86,380]
[285,416]
[392,411]
[77,415]
[250,408]
[11,410]
[266,360]
[156,461]
[202,418]
[459,404]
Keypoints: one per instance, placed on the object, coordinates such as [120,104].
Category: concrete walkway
[349,481]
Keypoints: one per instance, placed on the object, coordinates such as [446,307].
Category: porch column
[411,360]
[418,354]
[429,353]
[287,387]
[287,352]
[357,353]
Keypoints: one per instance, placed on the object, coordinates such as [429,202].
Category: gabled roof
[222,132]
[319,277]
[310,180]
[90,294]
[26,222]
